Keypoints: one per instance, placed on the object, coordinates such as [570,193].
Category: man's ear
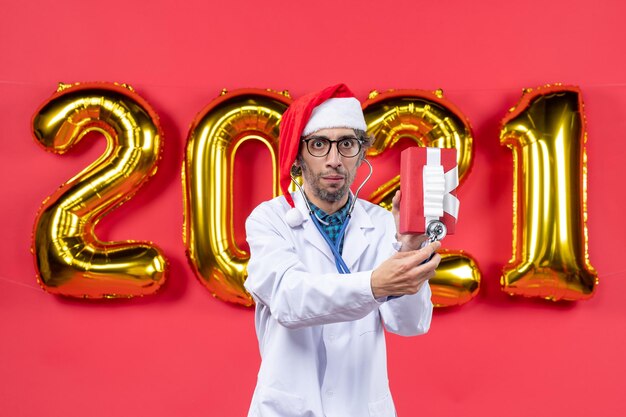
[295,171]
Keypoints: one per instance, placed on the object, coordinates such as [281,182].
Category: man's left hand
[409,241]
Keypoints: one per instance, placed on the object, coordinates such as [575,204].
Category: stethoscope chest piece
[436,230]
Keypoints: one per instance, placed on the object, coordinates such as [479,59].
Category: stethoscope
[342,268]
[435,230]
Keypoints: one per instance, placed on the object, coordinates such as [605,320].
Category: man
[320,331]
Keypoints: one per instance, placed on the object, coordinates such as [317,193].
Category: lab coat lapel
[355,241]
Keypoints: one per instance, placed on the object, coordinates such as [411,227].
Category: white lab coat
[321,333]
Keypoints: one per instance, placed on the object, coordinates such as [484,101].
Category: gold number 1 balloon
[69,258]
[546,132]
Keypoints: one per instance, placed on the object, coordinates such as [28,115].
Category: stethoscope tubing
[340,264]
[342,268]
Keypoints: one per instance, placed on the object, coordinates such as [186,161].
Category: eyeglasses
[320,146]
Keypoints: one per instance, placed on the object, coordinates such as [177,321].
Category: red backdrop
[182,352]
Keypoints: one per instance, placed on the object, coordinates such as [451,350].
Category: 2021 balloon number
[546,131]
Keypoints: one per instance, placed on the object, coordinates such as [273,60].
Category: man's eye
[319,144]
[347,143]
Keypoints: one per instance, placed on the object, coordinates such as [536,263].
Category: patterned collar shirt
[332,223]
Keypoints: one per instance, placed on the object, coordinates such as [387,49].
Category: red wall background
[183,353]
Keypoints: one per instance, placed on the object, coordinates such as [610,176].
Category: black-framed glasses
[320,146]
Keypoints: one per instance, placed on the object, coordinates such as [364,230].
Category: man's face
[328,178]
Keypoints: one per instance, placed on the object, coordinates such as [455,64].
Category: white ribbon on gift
[437,188]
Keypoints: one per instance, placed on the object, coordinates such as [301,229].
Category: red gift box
[433,170]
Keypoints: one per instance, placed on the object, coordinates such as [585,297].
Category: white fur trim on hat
[336,112]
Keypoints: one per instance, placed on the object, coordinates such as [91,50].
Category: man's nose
[333,159]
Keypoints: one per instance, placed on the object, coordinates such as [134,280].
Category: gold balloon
[218,131]
[546,132]
[69,258]
[214,137]
[456,280]
[427,119]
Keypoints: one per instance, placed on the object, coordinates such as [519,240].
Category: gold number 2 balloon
[69,258]
[428,120]
[214,137]
[546,131]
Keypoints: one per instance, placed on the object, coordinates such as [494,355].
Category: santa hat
[332,107]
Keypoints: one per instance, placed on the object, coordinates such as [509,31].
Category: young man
[324,288]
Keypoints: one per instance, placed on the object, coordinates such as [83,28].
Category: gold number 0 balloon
[429,120]
[69,258]
[546,132]
[214,137]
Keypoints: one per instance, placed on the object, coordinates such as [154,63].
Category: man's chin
[332,195]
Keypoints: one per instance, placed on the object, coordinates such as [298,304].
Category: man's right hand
[403,273]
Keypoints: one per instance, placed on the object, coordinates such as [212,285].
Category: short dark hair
[366,140]
[361,135]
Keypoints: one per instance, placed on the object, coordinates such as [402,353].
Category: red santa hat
[332,107]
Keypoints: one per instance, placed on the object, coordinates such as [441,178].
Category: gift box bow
[429,178]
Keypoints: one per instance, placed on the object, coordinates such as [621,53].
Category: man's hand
[410,241]
[402,273]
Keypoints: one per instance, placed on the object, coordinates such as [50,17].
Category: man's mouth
[333,177]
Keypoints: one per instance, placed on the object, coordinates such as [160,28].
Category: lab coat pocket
[275,403]
[382,408]
[370,326]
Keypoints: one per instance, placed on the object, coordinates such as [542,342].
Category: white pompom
[294,217]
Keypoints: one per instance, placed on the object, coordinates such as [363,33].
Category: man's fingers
[427,269]
[413,259]
[433,263]
[395,202]
[436,245]
[432,247]
[426,252]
